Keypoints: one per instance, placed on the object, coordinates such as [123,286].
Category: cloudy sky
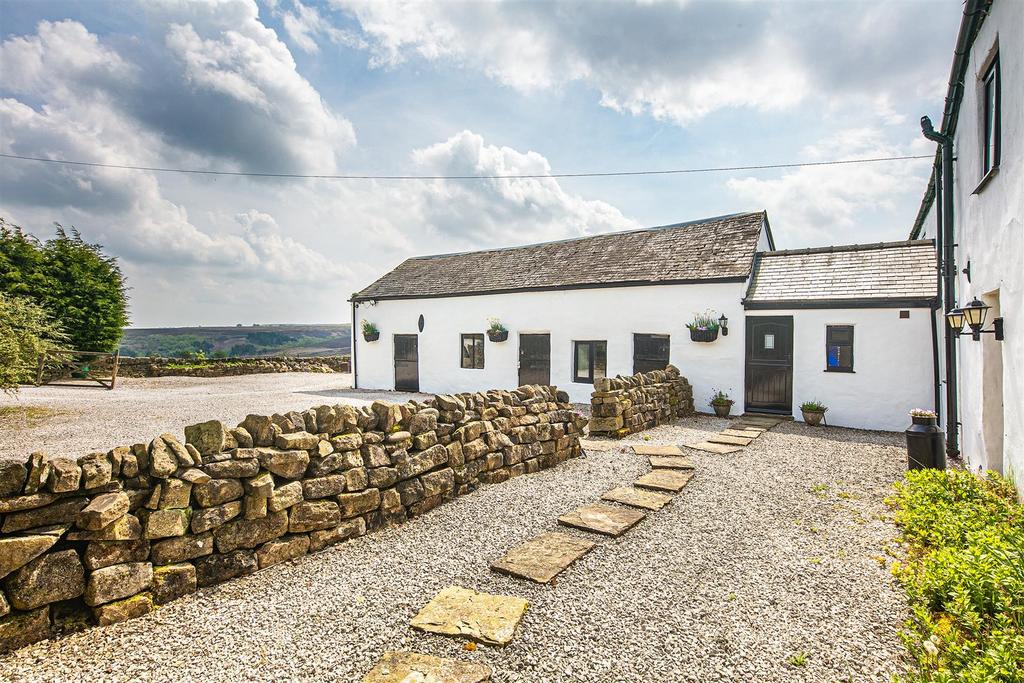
[383,87]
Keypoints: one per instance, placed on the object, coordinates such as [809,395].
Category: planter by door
[497,336]
[813,417]
[703,335]
[925,443]
[722,409]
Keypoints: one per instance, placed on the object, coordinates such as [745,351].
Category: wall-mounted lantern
[973,315]
[724,322]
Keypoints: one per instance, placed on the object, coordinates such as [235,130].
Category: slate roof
[858,274]
[712,249]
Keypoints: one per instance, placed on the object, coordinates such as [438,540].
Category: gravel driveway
[137,410]
[769,558]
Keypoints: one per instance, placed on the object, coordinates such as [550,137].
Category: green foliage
[964,577]
[80,287]
[720,398]
[813,406]
[25,332]
[367,327]
[494,325]
[704,321]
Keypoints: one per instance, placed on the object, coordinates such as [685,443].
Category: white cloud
[305,25]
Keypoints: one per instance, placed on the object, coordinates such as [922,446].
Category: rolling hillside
[254,340]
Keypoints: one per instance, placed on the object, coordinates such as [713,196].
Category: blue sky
[385,87]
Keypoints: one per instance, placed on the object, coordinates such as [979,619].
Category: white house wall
[893,367]
[990,235]
[611,314]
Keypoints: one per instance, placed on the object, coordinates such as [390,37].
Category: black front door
[769,376]
[534,359]
[407,363]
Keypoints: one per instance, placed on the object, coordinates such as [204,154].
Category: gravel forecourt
[769,566]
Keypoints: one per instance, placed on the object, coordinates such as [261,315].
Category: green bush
[964,576]
[25,332]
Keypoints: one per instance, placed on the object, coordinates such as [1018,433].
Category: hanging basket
[497,335]
[704,336]
[371,336]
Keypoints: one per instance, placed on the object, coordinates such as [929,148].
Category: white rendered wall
[892,362]
[990,235]
[611,314]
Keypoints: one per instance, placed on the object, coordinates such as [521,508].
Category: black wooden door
[534,359]
[769,376]
[407,363]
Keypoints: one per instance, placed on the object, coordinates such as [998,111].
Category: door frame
[747,384]
[519,354]
[394,360]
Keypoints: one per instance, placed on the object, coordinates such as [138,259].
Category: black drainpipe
[947,271]
[937,176]
[355,381]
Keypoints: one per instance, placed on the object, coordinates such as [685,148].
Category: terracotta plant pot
[813,417]
[371,336]
[703,335]
[497,335]
[722,409]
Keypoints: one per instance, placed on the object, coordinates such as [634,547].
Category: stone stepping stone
[589,445]
[670,462]
[642,449]
[542,558]
[412,667]
[457,611]
[759,420]
[730,440]
[708,447]
[602,519]
[743,427]
[745,433]
[638,498]
[664,480]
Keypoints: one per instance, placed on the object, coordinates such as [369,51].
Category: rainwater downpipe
[944,204]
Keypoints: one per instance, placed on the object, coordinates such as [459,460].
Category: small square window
[589,361]
[904,314]
[473,351]
[839,348]
[769,341]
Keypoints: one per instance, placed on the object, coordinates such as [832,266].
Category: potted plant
[496,332]
[704,327]
[813,412]
[721,402]
[370,331]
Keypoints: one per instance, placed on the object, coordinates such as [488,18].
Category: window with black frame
[990,96]
[473,351]
[839,348]
[650,352]
[589,361]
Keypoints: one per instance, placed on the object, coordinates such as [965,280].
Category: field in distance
[249,341]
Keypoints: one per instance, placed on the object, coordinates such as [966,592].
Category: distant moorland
[254,340]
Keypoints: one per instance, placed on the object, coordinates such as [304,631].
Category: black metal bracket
[997,330]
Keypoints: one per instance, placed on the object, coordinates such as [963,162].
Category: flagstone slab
[708,447]
[664,480]
[760,420]
[457,611]
[652,449]
[638,498]
[745,433]
[670,462]
[602,519]
[744,427]
[730,440]
[542,558]
[598,445]
[412,667]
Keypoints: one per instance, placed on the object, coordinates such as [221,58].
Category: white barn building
[849,326]
[974,210]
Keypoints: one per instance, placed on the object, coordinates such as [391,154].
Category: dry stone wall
[111,536]
[625,405]
[224,367]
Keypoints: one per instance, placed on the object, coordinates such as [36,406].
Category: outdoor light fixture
[724,323]
[973,315]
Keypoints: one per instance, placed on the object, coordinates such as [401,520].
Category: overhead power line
[597,174]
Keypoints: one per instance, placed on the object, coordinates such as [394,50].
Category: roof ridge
[871,246]
[634,231]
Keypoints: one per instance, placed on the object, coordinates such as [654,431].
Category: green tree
[81,287]
[26,330]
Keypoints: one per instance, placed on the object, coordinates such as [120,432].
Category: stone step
[730,440]
[638,498]
[406,667]
[743,427]
[745,433]
[670,462]
[644,449]
[664,480]
[602,519]
[720,449]
[458,611]
[599,445]
[543,557]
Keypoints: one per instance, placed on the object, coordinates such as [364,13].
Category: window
[590,360]
[990,116]
[473,351]
[650,352]
[839,348]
